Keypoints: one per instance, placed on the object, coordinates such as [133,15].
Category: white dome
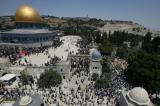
[92,50]
[95,54]
[139,96]
[25,100]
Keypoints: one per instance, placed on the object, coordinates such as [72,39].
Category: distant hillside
[127,27]
[7,23]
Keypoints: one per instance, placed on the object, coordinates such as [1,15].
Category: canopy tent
[23,53]
[7,77]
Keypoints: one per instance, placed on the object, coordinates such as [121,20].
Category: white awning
[7,77]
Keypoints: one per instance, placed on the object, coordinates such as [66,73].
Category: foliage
[122,52]
[105,66]
[144,70]
[151,46]
[119,37]
[49,78]
[1,84]
[106,47]
[101,83]
[25,79]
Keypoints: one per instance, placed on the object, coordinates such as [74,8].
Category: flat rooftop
[7,77]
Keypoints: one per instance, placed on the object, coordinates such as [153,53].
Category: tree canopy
[144,70]
[106,47]
[118,37]
[122,52]
[49,78]
[25,79]
[151,45]
[101,83]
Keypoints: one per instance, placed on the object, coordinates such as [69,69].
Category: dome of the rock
[26,13]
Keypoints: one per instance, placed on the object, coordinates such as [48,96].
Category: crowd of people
[79,90]
[84,47]
[13,52]
[76,90]
[118,79]
[80,63]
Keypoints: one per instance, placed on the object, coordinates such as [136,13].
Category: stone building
[95,64]
[30,30]
[137,96]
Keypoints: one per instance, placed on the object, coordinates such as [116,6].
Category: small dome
[27,14]
[92,50]
[25,100]
[139,96]
[96,55]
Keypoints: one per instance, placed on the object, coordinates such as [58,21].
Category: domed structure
[25,101]
[30,30]
[27,14]
[92,50]
[139,96]
[96,55]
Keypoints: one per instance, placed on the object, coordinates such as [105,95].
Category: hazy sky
[145,12]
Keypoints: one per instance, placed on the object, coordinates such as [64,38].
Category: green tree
[105,66]
[119,37]
[101,83]
[25,79]
[148,37]
[151,46]
[122,52]
[106,47]
[49,78]
[97,36]
[156,44]
[1,84]
[144,70]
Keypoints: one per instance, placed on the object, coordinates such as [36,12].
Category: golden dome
[27,14]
